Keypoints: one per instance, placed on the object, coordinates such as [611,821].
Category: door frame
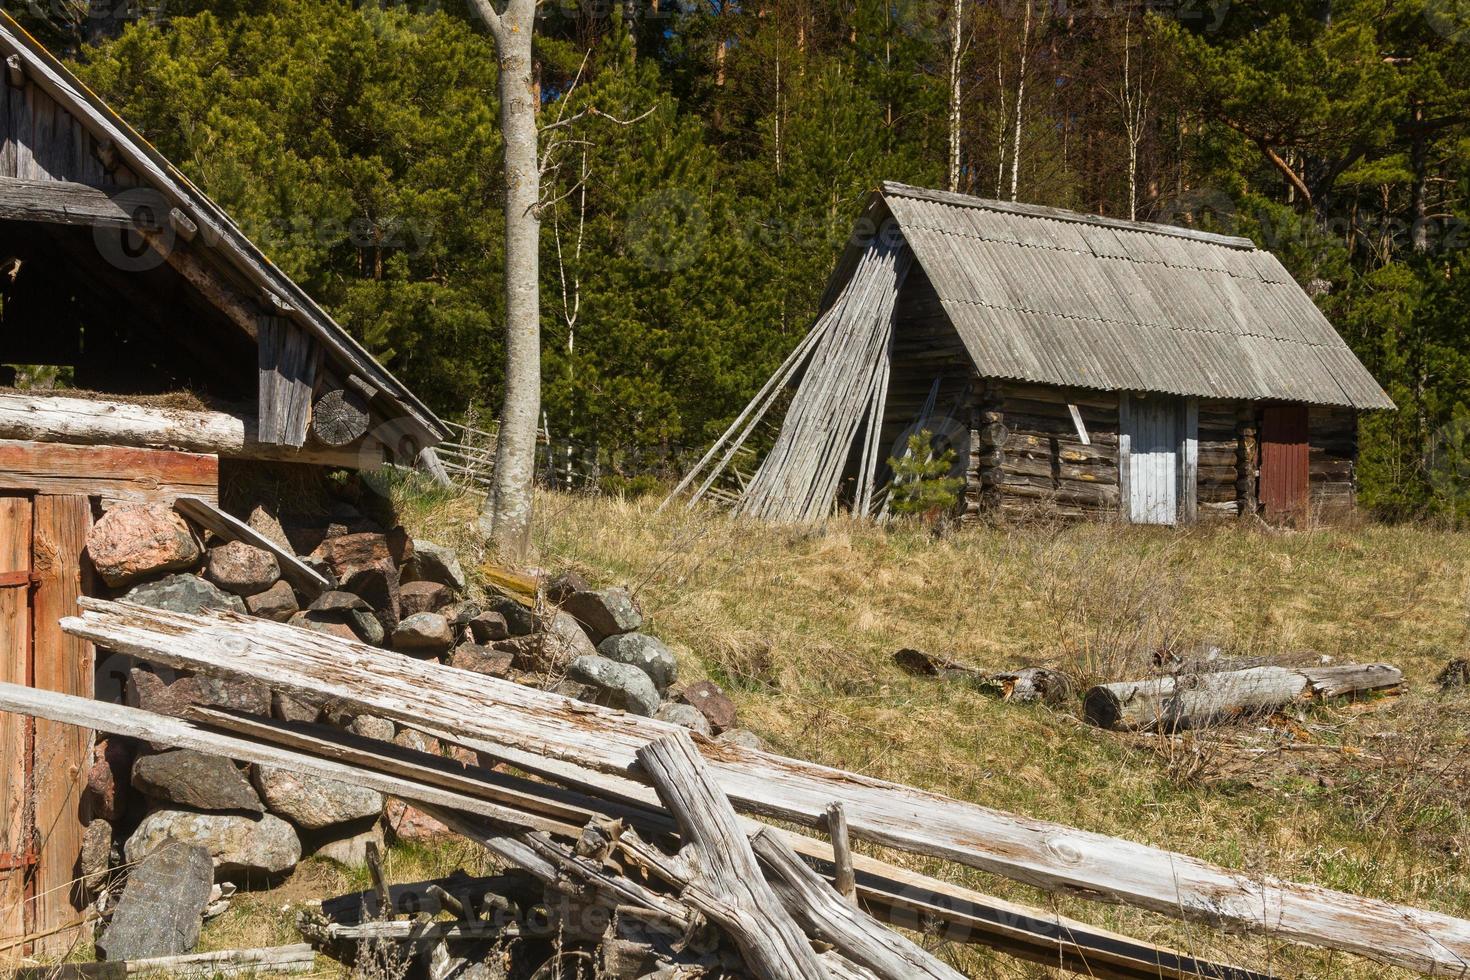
[1186,472]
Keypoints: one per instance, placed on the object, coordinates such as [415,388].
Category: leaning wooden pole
[728,889]
[827,916]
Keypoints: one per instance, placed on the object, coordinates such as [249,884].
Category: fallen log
[1195,700]
[1024,684]
[489,713]
[727,887]
[86,421]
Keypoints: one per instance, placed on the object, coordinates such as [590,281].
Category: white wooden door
[1155,431]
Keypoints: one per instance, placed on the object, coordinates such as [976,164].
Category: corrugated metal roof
[1039,294]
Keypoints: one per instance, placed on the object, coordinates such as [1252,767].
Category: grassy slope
[801,625]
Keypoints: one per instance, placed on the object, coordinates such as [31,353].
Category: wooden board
[1155,428]
[65,664]
[288,368]
[110,472]
[15,632]
[231,528]
[1285,472]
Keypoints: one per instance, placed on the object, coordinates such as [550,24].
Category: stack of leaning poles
[843,365]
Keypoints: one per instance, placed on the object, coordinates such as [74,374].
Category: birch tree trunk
[1021,98]
[506,518]
[955,38]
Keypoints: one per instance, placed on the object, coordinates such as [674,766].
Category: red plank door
[1285,459]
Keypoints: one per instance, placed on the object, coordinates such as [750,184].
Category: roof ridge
[1061,214]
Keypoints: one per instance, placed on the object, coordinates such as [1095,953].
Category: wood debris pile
[639,837]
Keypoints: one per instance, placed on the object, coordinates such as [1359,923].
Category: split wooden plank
[92,422]
[728,888]
[1194,700]
[63,754]
[16,530]
[827,916]
[289,359]
[110,472]
[231,528]
[296,958]
[177,733]
[1046,855]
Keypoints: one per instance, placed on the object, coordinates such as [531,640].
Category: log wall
[1218,485]
[1332,434]
[1027,456]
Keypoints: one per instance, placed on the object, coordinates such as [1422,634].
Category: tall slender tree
[506,519]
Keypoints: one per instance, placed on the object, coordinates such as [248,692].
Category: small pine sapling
[921,481]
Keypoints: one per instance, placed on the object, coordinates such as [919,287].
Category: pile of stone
[255,822]
[386,589]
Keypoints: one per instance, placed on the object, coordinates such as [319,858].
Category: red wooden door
[1285,459]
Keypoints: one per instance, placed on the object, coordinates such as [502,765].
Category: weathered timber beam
[1047,855]
[1193,700]
[85,421]
[727,886]
[61,202]
[827,916]
[109,472]
[297,958]
[293,569]
[177,733]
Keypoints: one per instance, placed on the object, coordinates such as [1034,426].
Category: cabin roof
[1057,297]
[275,291]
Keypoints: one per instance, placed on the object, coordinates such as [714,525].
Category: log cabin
[116,267]
[1078,365]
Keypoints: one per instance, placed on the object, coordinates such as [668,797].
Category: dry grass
[800,625]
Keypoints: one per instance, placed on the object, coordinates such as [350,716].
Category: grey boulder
[685,716]
[162,906]
[238,844]
[605,612]
[436,563]
[646,653]
[183,593]
[314,802]
[616,685]
[195,780]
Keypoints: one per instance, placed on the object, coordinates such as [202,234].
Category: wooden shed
[114,265]
[1079,365]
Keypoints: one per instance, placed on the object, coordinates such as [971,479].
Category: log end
[1102,708]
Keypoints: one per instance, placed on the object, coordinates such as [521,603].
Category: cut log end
[340,417]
